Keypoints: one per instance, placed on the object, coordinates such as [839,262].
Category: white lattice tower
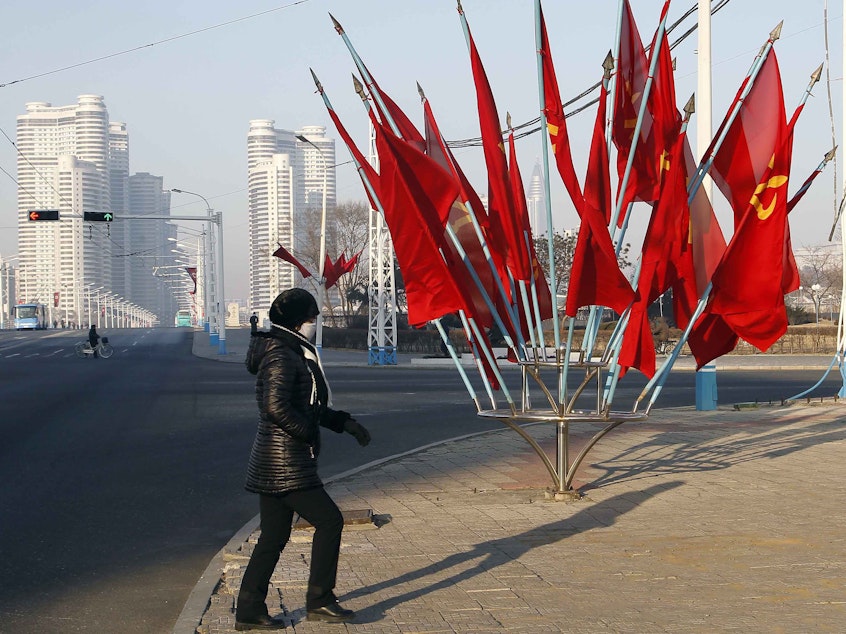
[382,311]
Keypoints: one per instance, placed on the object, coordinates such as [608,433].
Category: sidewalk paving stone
[690,522]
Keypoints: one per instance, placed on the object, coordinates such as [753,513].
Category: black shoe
[263,622]
[332,613]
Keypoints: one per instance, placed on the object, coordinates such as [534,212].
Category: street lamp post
[200,292]
[815,295]
[5,290]
[321,288]
[219,336]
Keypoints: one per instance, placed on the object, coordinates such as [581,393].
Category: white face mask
[308,330]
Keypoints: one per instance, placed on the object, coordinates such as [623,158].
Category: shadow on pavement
[498,552]
[686,451]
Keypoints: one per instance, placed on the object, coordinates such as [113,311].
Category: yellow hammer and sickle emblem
[664,161]
[774,182]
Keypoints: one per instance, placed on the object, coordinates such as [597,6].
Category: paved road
[122,477]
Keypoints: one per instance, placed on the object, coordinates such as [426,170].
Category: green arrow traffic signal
[98,216]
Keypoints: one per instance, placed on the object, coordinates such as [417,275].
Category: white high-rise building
[63,164]
[536,201]
[285,177]
[119,186]
[149,277]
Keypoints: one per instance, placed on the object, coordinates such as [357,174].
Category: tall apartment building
[118,184]
[63,163]
[536,201]
[151,270]
[285,177]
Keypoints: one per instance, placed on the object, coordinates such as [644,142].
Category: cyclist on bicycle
[93,339]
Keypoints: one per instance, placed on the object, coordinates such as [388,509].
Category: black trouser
[277,514]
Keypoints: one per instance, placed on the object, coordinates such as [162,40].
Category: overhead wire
[151,44]
[535,123]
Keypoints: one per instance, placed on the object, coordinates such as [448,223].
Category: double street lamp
[217,330]
[321,288]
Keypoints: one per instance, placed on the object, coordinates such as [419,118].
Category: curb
[198,601]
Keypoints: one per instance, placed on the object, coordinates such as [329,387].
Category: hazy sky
[187,102]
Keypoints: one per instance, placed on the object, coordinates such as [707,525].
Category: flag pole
[807,184]
[460,249]
[546,188]
[592,324]
[653,62]
[509,308]
[453,238]
[488,353]
[661,376]
[710,154]
[372,193]
[528,311]
[614,376]
[592,327]
[389,119]
[613,83]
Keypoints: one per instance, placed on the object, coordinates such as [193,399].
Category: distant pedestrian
[93,339]
[55,324]
[253,324]
[294,402]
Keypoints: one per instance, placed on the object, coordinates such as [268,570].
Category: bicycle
[103,349]
[666,346]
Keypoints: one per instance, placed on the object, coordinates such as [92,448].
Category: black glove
[358,431]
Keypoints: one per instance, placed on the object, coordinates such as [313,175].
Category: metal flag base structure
[562,413]
[482,265]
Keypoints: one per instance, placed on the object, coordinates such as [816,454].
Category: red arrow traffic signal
[44,214]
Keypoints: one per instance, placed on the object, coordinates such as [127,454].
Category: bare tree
[564,250]
[346,232]
[821,275]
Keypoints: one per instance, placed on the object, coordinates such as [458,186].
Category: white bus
[31,317]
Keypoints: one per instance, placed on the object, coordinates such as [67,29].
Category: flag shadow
[490,554]
[686,451]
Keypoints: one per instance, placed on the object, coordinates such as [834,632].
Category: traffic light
[98,216]
[43,214]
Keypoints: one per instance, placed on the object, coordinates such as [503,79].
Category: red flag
[710,338]
[461,223]
[595,277]
[331,272]
[505,225]
[417,195]
[702,249]
[407,130]
[522,210]
[349,265]
[790,277]
[743,158]
[192,273]
[666,120]
[632,75]
[556,122]
[748,283]
[283,254]
[367,173]
[662,262]
[705,237]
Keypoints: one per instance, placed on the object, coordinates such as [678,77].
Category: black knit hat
[292,308]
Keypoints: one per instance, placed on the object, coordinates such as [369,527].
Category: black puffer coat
[287,443]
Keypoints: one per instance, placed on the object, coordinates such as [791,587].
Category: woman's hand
[358,431]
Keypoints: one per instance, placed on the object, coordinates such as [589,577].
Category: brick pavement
[690,522]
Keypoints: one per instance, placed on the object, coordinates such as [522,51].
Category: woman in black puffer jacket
[293,399]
